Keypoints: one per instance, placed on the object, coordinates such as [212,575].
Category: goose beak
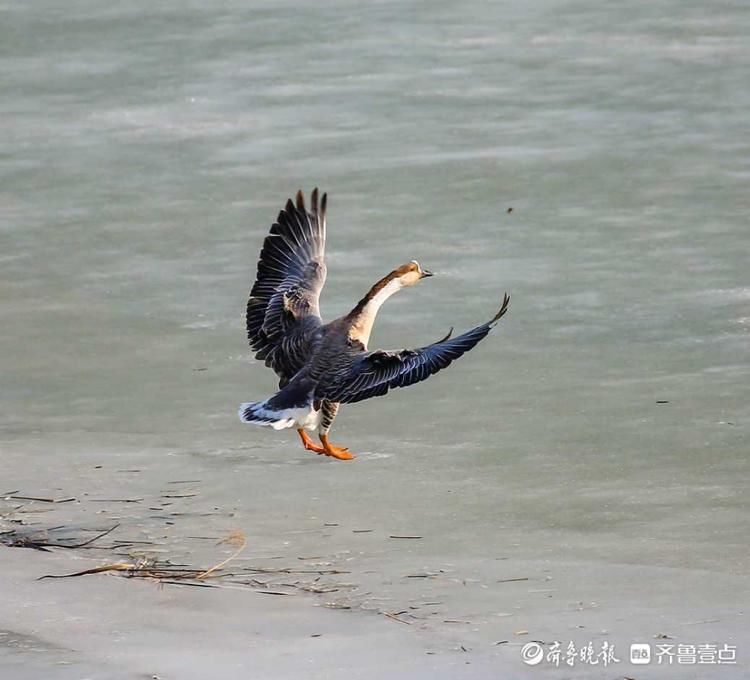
[426,273]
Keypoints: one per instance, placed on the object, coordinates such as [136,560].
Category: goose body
[319,365]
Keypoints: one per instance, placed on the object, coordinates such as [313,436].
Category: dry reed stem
[235,538]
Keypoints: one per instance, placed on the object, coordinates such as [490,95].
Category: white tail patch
[257,413]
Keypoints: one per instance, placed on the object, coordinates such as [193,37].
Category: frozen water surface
[595,444]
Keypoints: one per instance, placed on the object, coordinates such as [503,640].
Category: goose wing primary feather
[283,313]
[372,374]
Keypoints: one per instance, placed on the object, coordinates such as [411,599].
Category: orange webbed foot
[335,451]
[309,444]
[338,452]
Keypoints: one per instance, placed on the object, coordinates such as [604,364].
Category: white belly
[258,413]
[308,419]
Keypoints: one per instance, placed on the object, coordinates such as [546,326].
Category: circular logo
[532,653]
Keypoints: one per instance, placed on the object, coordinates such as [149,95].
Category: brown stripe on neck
[374,291]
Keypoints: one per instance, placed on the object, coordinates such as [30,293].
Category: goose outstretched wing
[283,312]
[372,374]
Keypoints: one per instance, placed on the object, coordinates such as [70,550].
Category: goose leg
[308,443]
[329,409]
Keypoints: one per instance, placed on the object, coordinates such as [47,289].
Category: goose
[323,365]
